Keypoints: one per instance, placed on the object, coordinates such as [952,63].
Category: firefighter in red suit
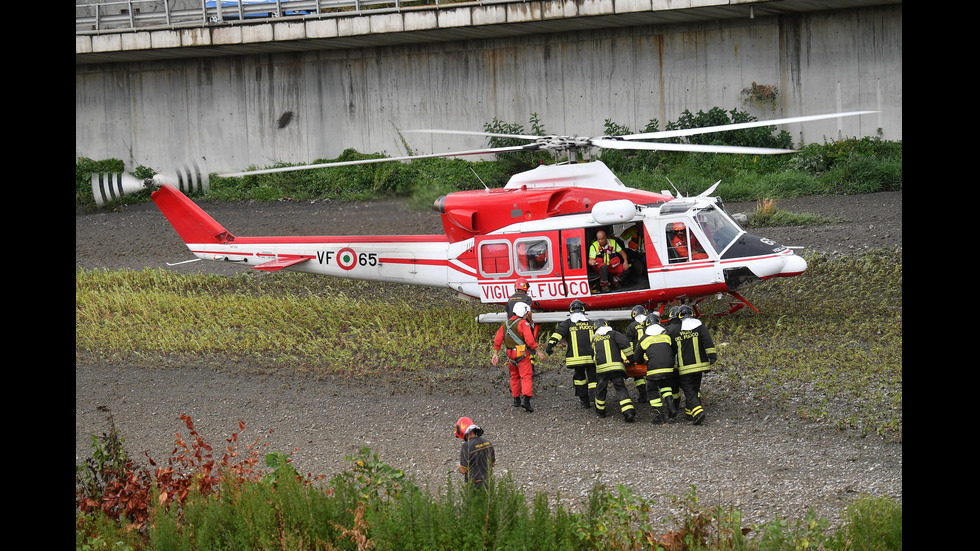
[517,337]
[522,293]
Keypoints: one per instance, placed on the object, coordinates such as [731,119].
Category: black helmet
[653,318]
[576,306]
[672,313]
[638,311]
[685,311]
[601,323]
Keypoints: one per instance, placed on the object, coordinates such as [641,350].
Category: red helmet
[522,284]
[462,426]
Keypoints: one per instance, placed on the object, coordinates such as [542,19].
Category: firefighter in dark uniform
[522,294]
[673,327]
[634,331]
[609,347]
[657,350]
[476,456]
[695,355]
[576,334]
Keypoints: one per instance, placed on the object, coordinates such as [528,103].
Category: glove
[549,349]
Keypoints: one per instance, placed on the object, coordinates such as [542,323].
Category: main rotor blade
[475,133]
[737,126]
[531,147]
[687,147]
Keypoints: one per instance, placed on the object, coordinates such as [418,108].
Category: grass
[828,346]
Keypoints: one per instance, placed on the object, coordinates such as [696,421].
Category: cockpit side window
[682,245]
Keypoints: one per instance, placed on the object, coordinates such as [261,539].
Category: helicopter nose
[793,265]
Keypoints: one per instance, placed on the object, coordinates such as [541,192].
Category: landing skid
[732,306]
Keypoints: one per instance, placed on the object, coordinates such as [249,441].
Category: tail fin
[191,222]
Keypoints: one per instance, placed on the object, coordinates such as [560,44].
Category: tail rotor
[189,179]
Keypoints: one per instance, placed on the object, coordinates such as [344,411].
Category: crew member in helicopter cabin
[609,260]
[635,245]
[677,234]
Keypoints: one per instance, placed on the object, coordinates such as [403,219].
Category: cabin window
[533,255]
[495,258]
[682,245]
[573,246]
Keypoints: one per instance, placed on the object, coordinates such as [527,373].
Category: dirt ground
[766,464]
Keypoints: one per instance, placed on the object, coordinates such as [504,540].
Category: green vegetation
[850,166]
[202,501]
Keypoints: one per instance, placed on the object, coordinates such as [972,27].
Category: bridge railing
[121,15]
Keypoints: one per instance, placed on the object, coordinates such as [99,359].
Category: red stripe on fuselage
[346,239]
[425,261]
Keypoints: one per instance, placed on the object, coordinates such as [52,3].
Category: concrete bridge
[295,89]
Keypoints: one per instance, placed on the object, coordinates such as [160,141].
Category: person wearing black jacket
[696,354]
[634,332]
[576,334]
[609,347]
[476,456]
[657,350]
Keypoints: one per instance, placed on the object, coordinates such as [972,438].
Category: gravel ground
[768,465]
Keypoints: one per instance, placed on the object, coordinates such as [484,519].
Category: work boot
[630,416]
[671,406]
[585,402]
[698,417]
[526,404]
[642,389]
[517,401]
[658,417]
[600,413]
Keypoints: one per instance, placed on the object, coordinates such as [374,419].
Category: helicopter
[539,228]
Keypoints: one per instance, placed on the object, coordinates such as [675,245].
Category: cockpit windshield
[719,228]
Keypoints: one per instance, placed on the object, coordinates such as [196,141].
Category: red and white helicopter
[538,227]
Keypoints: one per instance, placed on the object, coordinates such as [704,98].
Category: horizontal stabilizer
[282,262]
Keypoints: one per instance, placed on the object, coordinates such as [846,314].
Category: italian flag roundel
[347,258]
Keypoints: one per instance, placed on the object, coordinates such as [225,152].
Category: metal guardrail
[123,15]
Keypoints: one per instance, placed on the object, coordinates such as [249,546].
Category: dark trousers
[583,378]
[691,386]
[618,379]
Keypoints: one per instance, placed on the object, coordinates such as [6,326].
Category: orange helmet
[522,284]
[677,226]
[465,425]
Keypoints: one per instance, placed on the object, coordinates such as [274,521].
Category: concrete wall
[234,112]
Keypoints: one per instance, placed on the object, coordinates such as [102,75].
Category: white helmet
[521,309]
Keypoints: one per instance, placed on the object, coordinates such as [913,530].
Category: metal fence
[96,16]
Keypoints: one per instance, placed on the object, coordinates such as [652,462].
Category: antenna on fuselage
[679,194]
[485,186]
